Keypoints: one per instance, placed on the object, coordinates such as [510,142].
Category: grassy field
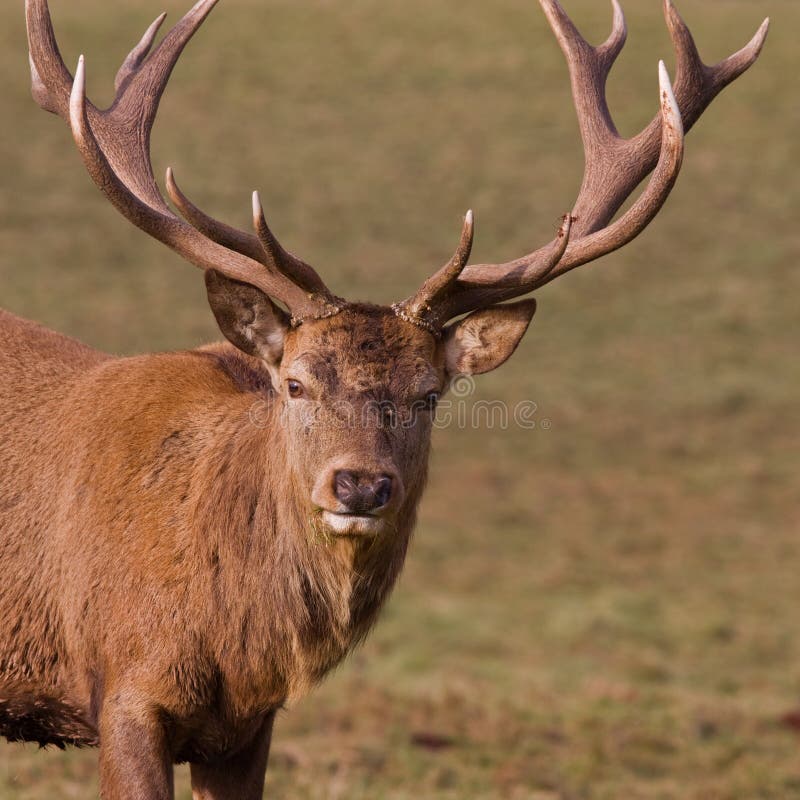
[604,607]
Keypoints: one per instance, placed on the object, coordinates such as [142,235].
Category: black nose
[361,493]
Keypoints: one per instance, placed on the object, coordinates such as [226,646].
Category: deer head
[358,383]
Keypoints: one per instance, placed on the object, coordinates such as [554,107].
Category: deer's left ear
[486,339]
[247,317]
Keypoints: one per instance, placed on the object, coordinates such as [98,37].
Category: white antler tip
[669,105]
[665,83]
[753,47]
[77,103]
[78,87]
[257,207]
[172,185]
[173,191]
[469,218]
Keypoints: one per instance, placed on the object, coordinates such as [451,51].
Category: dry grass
[604,609]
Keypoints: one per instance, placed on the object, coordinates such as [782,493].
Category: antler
[613,167]
[115,146]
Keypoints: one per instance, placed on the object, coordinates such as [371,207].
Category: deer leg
[135,761]
[238,777]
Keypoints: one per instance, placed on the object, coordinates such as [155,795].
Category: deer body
[190,540]
[165,552]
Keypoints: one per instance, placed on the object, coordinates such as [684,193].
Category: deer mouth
[343,524]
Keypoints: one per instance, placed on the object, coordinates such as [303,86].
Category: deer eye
[431,400]
[295,389]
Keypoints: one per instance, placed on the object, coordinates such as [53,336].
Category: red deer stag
[174,571]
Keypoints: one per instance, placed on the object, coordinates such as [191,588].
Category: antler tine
[589,67]
[644,210]
[300,272]
[217,231]
[614,166]
[50,79]
[115,146]
[437,286]
[612,47]
[730,68]
[137,56]
[263,248]
[166,228]
[483,285]
[696,84]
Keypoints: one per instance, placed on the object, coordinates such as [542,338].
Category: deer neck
[310,596]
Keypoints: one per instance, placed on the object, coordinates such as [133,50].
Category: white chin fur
[352,524]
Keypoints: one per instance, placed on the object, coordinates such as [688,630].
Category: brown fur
[159,551]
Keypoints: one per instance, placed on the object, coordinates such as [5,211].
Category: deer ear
[484,340]
[247,317]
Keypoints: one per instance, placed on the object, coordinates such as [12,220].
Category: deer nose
[362,493]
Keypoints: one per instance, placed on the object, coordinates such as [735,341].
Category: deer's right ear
[247,317]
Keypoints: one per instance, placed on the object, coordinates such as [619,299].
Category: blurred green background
[603,608]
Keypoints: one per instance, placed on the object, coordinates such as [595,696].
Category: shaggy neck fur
[309,597]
